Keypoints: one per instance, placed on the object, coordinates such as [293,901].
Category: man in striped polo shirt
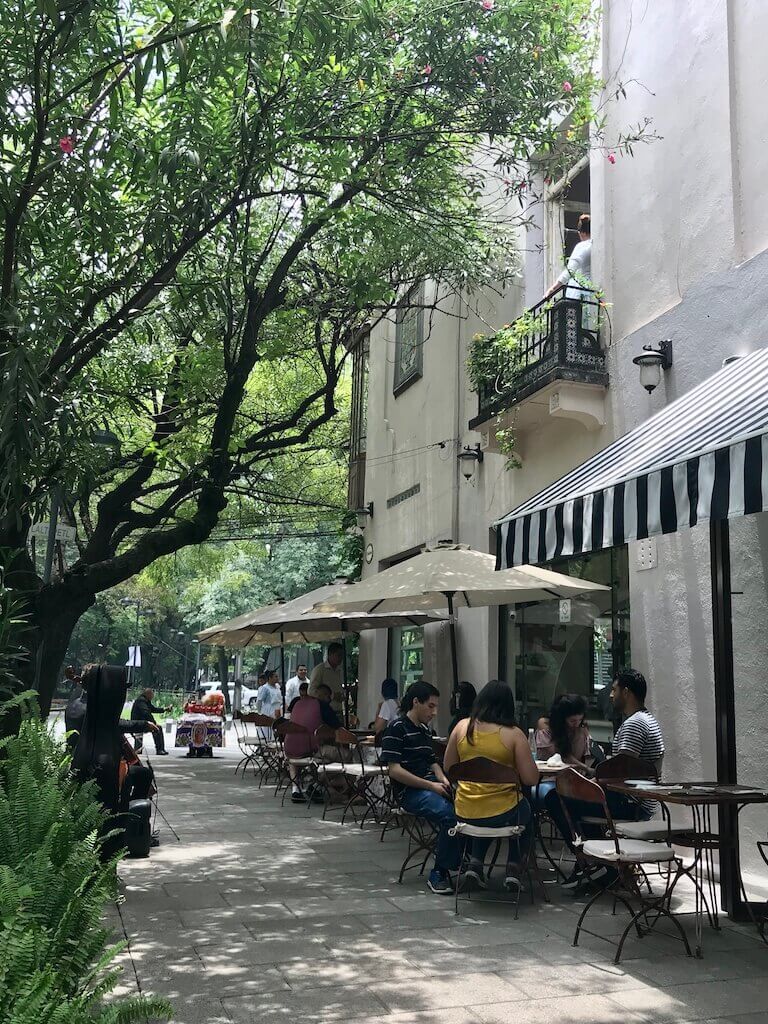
[418,781]
[638,735]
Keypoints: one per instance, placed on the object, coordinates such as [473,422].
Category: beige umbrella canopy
[297,622]
[454,577]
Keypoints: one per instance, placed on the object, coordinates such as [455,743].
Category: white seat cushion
[632,851]
[334,768]
[463,828]
[649,830]
[358,770]
[301,762]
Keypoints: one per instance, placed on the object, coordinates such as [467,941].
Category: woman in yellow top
[491,732]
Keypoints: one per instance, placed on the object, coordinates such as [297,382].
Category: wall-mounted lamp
[364,514]
[652,361]
[468,459]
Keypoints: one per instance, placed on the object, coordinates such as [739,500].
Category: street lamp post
[126,602]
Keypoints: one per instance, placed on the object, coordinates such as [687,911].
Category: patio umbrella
[297,621]
[449,577]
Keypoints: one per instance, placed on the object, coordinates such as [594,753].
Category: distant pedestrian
[294,684]
[329,673]
[463,700]
[269,696]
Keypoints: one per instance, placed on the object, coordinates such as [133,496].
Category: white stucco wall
[680,233]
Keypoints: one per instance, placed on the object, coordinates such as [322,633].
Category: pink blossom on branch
[427,69]
[488,5]
[567,87]
[67,145]
[611,158]
[480,58]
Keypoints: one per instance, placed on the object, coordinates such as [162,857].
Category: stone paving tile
[320,1006]
[308,924]
[696,1001]
[569,1010]
[434,992]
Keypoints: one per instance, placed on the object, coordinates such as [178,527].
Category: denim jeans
[439,811]
[518,848]
[622,808]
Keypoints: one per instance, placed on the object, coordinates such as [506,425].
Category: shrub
[55,953]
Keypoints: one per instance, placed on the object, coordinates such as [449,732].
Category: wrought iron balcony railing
[561,344]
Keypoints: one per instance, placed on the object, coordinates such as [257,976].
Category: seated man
[418,781]
[638,735]
[143,710]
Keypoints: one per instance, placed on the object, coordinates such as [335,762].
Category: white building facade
[680,250]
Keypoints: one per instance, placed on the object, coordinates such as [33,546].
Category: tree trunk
[47,641]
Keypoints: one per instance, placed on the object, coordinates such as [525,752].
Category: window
[406,656]
[548,649]
[409,340]
[358,425]
[566,201]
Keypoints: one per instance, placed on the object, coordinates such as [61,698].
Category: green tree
[202,210]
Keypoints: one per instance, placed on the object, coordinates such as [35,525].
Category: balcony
[554,367]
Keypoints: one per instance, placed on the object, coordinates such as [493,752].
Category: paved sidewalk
[267,914]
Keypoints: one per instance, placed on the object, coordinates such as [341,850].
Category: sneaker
[439,882]
[474,875]
[574,880]
[604,877]
[297,797]
[161,753]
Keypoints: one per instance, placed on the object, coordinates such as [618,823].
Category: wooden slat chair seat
[626,856]
[485,771]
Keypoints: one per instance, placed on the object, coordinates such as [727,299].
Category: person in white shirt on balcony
[577,273]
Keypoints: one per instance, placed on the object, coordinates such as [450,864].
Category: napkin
[555,761]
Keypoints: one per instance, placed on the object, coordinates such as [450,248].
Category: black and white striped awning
[703,457]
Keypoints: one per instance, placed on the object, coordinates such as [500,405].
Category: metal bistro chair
[487,772]
[344,749]
[268,752]
[369,782]
[626,856]
[248,744]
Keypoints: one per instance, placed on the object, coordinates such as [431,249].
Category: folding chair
[333,767]
[369,783]
[267,759]
[248,744]
[487,772]
[626,856]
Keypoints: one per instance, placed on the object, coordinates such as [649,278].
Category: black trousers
[158,737]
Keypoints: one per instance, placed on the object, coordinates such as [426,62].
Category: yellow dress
[479,799]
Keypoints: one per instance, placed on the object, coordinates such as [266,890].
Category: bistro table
[701,797]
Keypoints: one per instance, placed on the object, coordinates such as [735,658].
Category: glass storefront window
[551,647]
[406,656]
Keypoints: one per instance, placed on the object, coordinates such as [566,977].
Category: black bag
[138,838]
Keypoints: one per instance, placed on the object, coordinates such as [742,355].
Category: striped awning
[705,456]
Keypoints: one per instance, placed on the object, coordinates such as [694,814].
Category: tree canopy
[202,210]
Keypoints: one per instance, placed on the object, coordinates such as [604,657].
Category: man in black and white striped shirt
[638,735]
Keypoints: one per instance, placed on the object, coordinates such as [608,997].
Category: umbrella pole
[454,655]
[344,676]
[282,668]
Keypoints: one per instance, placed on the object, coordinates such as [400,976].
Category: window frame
[401,382]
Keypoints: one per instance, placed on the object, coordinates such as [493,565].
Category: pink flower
[67,145]
[488,5]
[480,58]
[567,87]
[611,158]
[427,69]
